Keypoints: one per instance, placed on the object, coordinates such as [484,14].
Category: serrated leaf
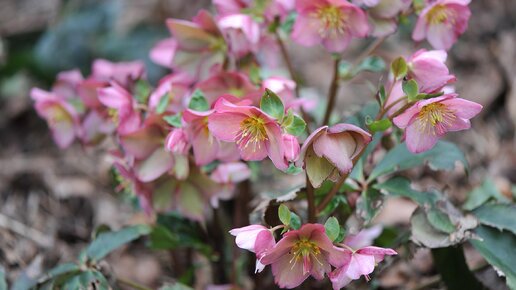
[174,120]
[500,216]
[332,228]
[411,89]
[443,156]
[297,126]
[108,242]
[399,68]
[380,125]
[271,104]
[440,221]
[400,186]
[284,214]
[295,221]
[198,102]
[163,103]
[480,195]
[497,247]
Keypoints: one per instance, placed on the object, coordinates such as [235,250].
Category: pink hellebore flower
[233,172]
[242,33]
[442,22]
[358,263]
[232,83]
[383,16]
[329,151]
[301,253]
[67,83]
[177,142]
[176,87]
[256,134]
[255,238]
[363,238]
[330,22]
[122,102]
[428,120]
[269,9]
[292,147]
[124,73]
[429,70]
[61,117]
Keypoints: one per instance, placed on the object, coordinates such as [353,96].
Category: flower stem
[310,197]
[332,93]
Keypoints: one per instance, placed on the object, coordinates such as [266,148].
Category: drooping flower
[442,22]
[255,238]
[115,97]
[329,151]
[429,70]
[359,263]
[233,83]
[292,147]
[330,22]
[302,253]
[61,117]
[429,120]
[363,238]
[256,134]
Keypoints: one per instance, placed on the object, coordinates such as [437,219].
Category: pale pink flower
[292,147]
[95,127]
[442,22]
[66,83]
[233,83]
[329,151]
[330,22]
[121,101]
[268,9]
[87,91]
[383,16]
[256,134]
[356,264]
[61,117]
[242,33]
[232,172]
[246,236]
[429,70]
[176,86]
[163,52]
[301,253]
[363,238]
[124,73]
[177,142]
[429,120]
[395,95]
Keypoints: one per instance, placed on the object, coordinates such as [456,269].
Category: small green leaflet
[272,105]
[198,102]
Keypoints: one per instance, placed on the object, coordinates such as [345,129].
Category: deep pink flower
[329,151]
[256,134]
[61,117]
[429,70]
[442,22]
[124,73]
[292,147]
[358,263]
[233,83]
[301,253]
[242,33]
[177,142]
[428,120]
[330,22]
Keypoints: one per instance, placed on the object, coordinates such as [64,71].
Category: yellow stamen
[333,20]
[252,131]
[435,118]
[440,14]
[303,251]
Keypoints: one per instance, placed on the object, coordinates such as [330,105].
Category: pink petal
[337,149]
[463,108]
[404,119]
[287,274]
[360,265]
[419,140]
[337,43]
[440,36]
[225,126]
[280,249]
[419,32]
[275,148]
[339,279]
[306,31]
[163,52]
[205,147]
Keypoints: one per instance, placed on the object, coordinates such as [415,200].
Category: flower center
[332,19]
[440,14]
[58,114]
[435,117]
[304,249]
[252,131]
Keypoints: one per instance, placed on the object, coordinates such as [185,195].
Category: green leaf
[411,89]
[174,120]
[142,90]
[87,280]
[293,170]
[440,221]
[287,25]
[455,273]
[497,248]
[297,126]
[284,214]
[369,204]
[295,221]
[198,102]
[380,125]
[332,228]
[500,216]
[3,282]
[372,63]
[108,242]
[370,109]
[175,286]
[443,156]
[381,95]
[272,104]
[400,186]
[162,239]
[399,68]
[163,103]
[480,195]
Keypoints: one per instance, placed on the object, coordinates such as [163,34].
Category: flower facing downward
[301,253]
[329,151]
[428,120]
[330,22]
[429,70]
[442,22]
[255,238]
[256,134]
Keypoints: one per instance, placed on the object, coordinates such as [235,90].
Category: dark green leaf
[174,120]
[500,216]
[332,228]
[369,204]
[443,156]
[451,264]
[272,105]
[372,63]
[198,102]
[411,89]
[295,221]
[142,91]
[440,221]
[108,242]
[163,103]
[482,194]
[284,214]
[497,248]
[399,68]
[400,186]
[297,127]
[87,280]
[162,239]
